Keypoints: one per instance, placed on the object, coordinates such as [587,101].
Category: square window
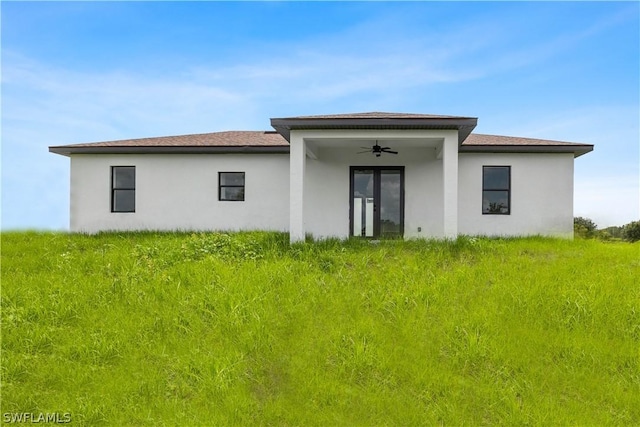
[124,200]
[231,186]
[495,178]
[124,177]
[232,193]
[495,202]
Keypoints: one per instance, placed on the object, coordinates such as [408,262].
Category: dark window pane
[390,203]
[232,193]
[232,178]
[124,177]
[363,183]
[495,178]
[495,202]
[362,199]
[124,200]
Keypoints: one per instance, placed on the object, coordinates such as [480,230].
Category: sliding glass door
[377,202]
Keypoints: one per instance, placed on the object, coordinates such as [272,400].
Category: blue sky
[77,72]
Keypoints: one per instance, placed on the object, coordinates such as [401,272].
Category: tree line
[587,229]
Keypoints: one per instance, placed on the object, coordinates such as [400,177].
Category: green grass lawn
[243,329]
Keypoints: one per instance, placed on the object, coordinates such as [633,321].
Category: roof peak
[375,115]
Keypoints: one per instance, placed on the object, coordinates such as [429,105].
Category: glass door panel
[390,203]
[363,203]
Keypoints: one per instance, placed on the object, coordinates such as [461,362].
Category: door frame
[376,197]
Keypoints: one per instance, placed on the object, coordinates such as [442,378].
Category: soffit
[376,121]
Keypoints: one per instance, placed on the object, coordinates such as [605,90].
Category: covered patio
[328,156]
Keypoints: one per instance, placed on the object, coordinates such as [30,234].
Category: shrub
[631,231]
[222,245]
[614,231]
[584,227]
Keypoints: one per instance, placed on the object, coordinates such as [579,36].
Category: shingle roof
[481,139]
[216,142]
[215,139]
[480,143]
[275,142]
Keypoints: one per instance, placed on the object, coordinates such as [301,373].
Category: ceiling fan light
[377,150]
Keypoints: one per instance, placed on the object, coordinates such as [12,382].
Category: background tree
[584,227]
[631,231]
[614,231]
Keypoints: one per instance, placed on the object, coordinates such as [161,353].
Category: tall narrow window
[231,186]
[496,190]
[123,189]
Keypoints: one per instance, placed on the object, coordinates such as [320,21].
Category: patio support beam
[297,166]
[310,149]
[450,185]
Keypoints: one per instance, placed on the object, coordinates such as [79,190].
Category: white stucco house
[372,175]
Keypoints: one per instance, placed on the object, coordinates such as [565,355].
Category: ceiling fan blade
[389,151]
[362,152]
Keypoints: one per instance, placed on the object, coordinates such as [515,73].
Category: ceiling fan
[377,150]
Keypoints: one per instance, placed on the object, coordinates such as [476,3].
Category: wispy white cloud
[115,102]
[364,59]
[127,103]
[368,58]
[516,53]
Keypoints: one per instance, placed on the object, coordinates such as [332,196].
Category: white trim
[297,166]
[450,186]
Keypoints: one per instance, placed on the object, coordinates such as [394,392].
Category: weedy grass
[242,329]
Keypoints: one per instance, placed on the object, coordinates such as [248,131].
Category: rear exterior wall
[541,195]
[180,192]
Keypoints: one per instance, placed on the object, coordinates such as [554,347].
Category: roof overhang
[576,149]
[464,125]
[67,150]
